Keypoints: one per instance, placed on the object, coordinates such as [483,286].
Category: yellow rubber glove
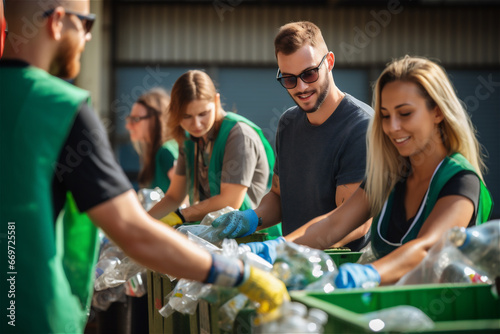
[267,290]
[172,219]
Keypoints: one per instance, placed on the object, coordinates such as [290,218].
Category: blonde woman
[157,152]
[424,176]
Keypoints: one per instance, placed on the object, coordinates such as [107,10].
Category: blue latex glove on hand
[236,224]
[266,249]
[353,275]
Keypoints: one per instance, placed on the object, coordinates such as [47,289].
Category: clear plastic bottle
[136,286]
[228,311]
[101,300]
[293,319]
[316,319]
[105,264]
[149,197]
[481,244]
[461,273]
[298,266]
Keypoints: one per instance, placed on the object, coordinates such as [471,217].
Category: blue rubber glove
[266,249]
[236,224]
[353,275]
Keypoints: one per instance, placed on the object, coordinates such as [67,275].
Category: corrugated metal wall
[244,34]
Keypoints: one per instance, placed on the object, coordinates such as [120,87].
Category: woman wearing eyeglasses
[157,151]
[224,159]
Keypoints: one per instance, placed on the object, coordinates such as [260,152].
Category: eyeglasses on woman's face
[136,119]
[289,81]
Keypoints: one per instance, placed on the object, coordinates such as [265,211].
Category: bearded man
[320,143]
[59,178]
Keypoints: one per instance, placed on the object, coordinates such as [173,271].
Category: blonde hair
[385,167]
[192,86]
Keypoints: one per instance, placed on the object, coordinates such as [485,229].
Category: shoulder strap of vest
[452,165]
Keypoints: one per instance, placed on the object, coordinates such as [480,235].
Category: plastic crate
[455,308]
[340,256]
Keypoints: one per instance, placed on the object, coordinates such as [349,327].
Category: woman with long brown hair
[224,159]
[157,150]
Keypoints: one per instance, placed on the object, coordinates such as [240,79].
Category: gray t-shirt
[245,162]
[312,161]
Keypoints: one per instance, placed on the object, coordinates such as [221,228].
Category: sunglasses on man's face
[289,81]
[87,19]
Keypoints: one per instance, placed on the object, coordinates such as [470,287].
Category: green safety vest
[164,160]
[217,158]
[449,167]
[51,278]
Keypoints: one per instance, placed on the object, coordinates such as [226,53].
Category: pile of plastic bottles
[463,255]
[116,275]
[295,318]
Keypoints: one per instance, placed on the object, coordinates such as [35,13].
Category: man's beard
[323,92]
[66,63]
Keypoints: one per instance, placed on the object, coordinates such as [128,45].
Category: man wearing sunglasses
[59,176]
[320,143]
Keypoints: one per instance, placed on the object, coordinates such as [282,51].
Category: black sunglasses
[308,76]
[87,20]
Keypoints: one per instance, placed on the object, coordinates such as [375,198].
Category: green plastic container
[454,308]
[340,256]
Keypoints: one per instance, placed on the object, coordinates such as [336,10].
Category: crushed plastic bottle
[136,286]
[205,230]
[229,310]
[299,266]
[101,300]
[401,318]
[295,318]
[210,217]
[461,273]
[316,319]
[119,274]
[149,197]
[481,244]
[103,267]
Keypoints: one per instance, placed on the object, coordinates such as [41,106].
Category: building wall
[358,35]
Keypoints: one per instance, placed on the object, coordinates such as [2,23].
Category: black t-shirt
[464,183]
[313,160]
[86,165]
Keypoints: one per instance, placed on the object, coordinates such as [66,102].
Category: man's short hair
[294,35]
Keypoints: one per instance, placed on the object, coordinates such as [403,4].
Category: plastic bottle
[316,319]
[298,266]
[211,216]
[461,273]
[292,320]
[149,197]
[481,244]
[228,311]
[105,264]
[101,300]
[136,286]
